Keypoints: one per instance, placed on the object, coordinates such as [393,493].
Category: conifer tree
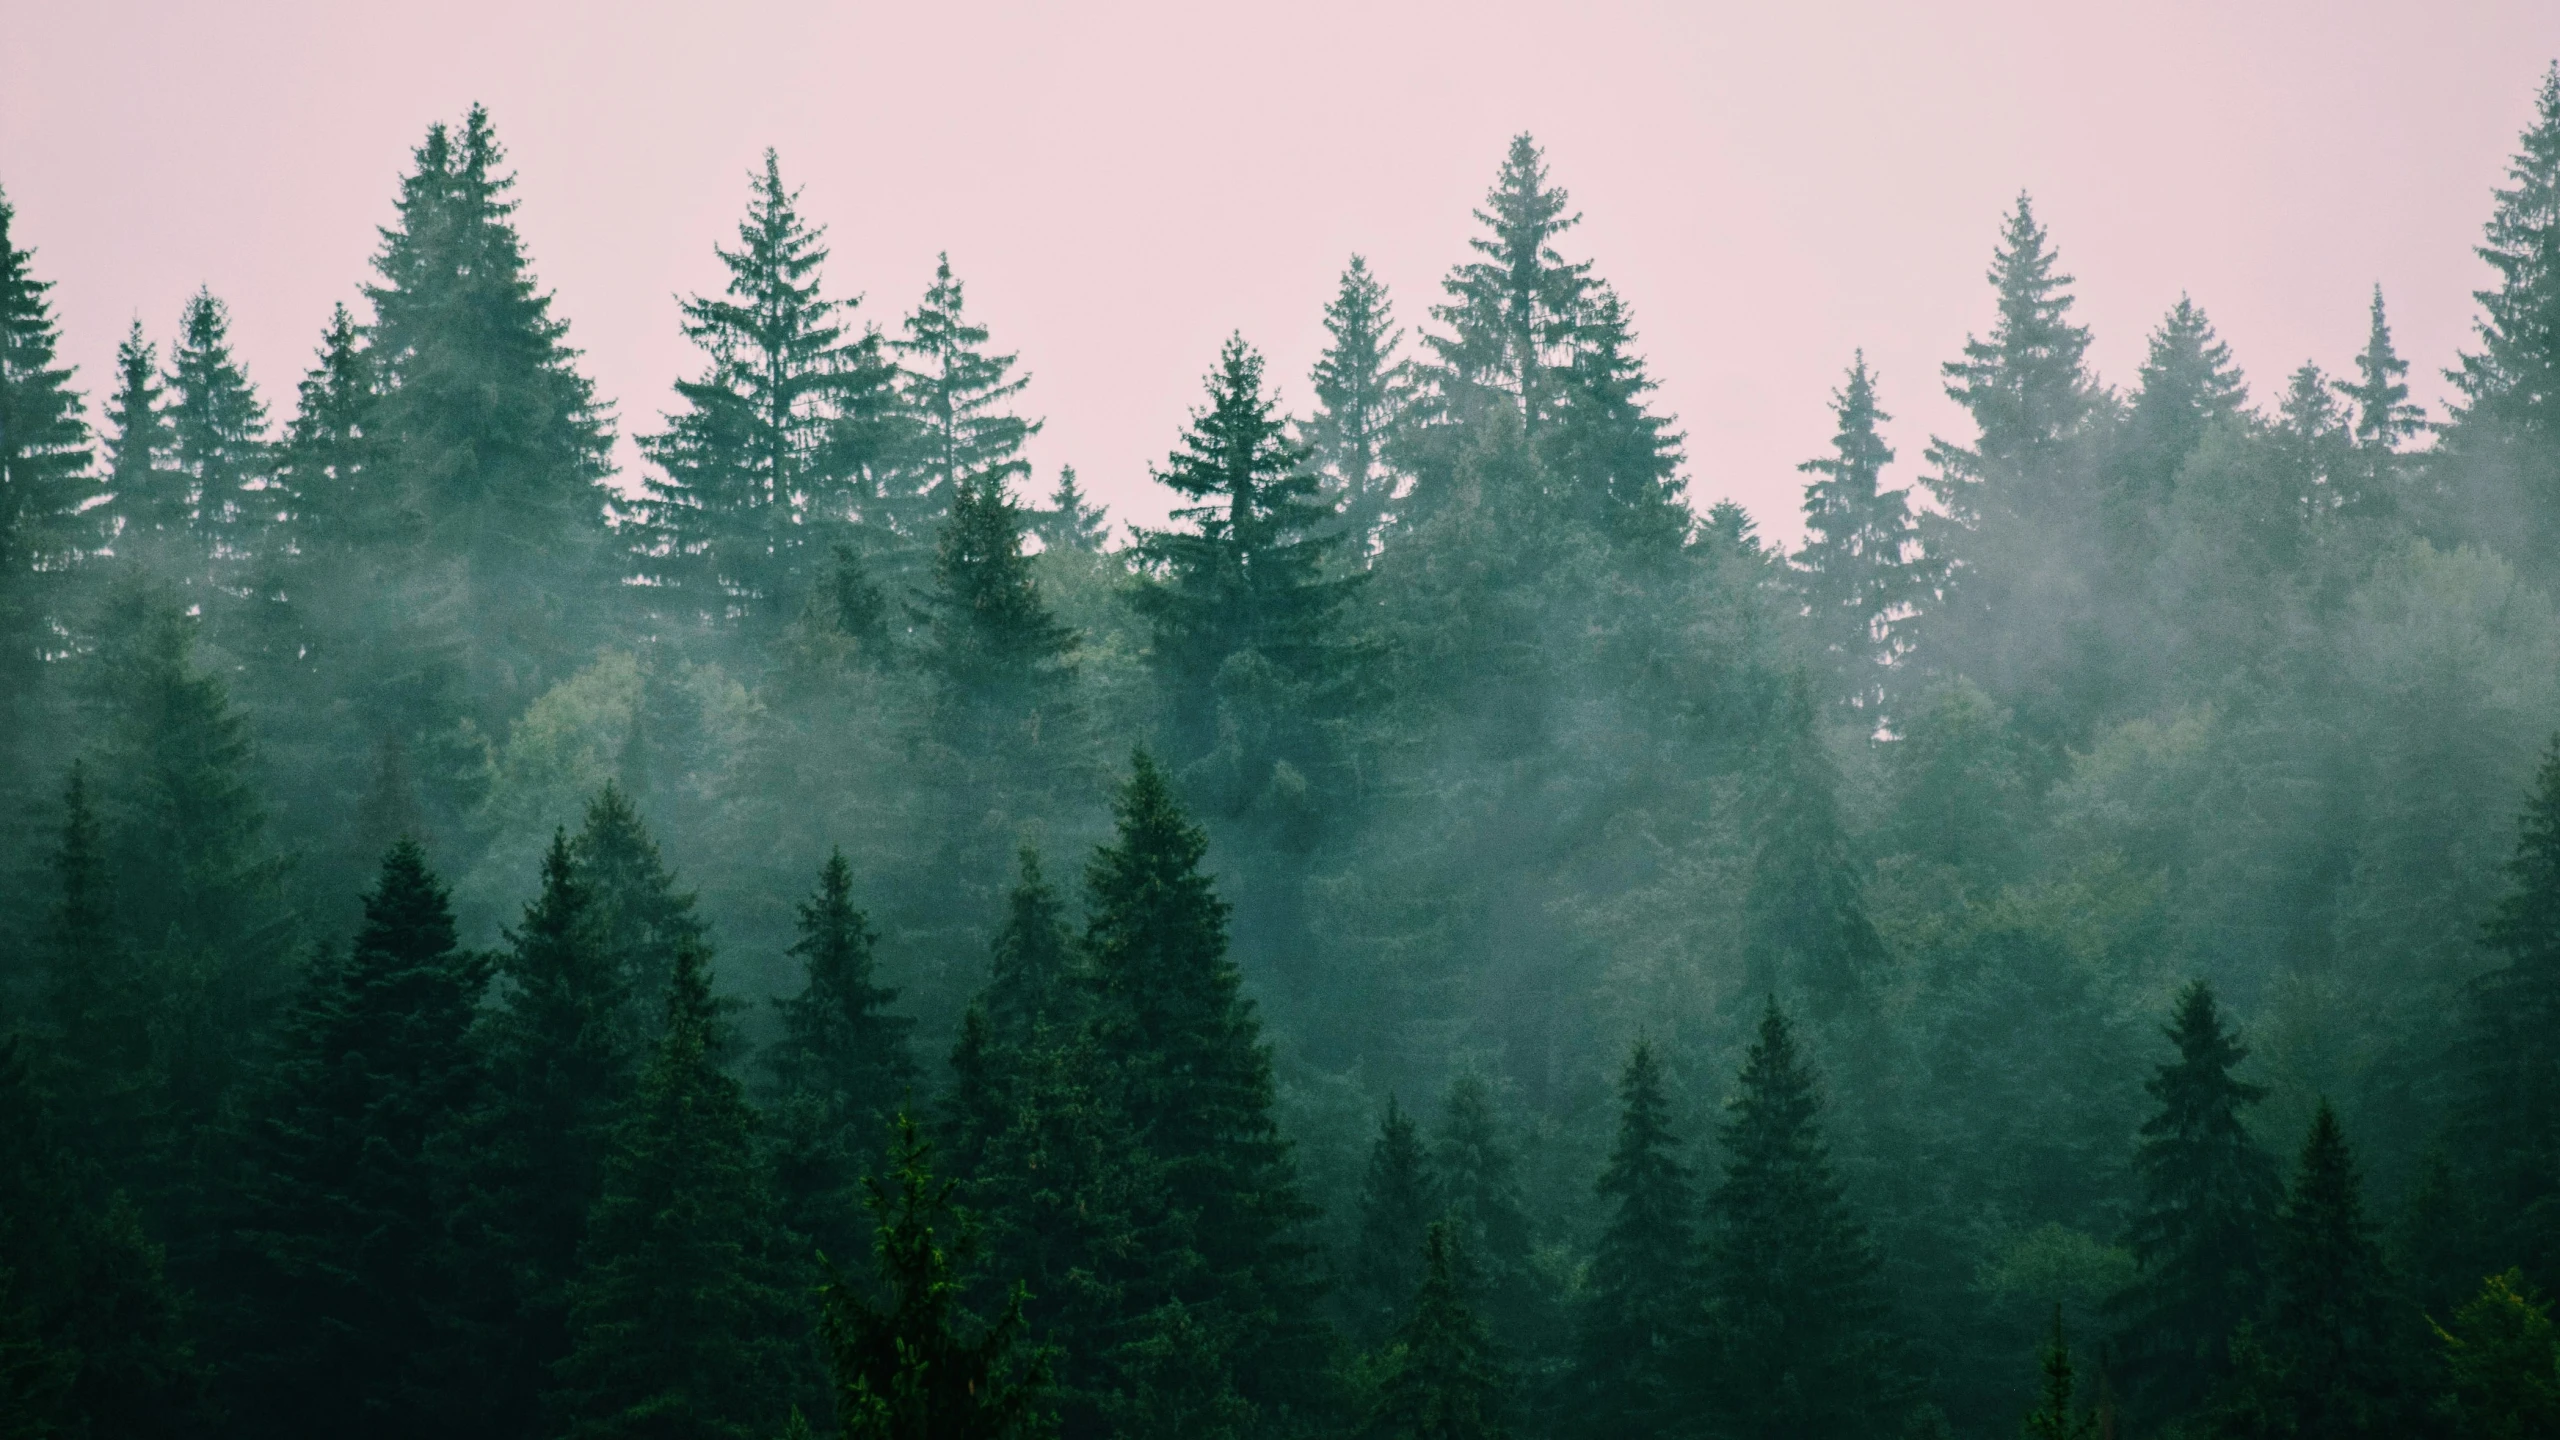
[1855,567]
[838,1071]
[102,999]
[1029,1003]
[2384,418]
[91,1336]
[1399,1200]
[640,920]
[780,441]
[909,1365]
[1805,918]
[1193,1078]
[2507,1122]
[2209,1196]
[679,1318]
[1243,610]
[339,1253]
[2188,386]
[495,442]
[1616,462]
[2027,386]
[1363,390]
[1444,1378]
[561,1064]
[150,501]
[44,465]
[2513,382]
[339,501]
[218,448]
[1513,316]
[960,399]
[2057,1415]
[1475,1170]
[1072,521]
[1639,1312]
[2502,1357]
[1002,660]
[1794,1335]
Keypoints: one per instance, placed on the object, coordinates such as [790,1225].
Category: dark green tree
[640,921]
[1855,566]
[101,997]
[494,441]
[1476,1173]
[1444,1378]
[2502,1357]
[1193,1077]
[1072,521]
[1002,661]
[1399,1199]
[779,441]
[2027,386]
[2384,417]
[2188,386]
[2058,1415]
[1794,1336]
[837,1072]
[1616,461]
[906,1362]
[92,1340]
[150,502]
[338,1251]
[2507,1119]
[2509,409]
[218,450]
[2209,1198]
[1639,1313]
[1514,315]
[1805,917]
[680,1318]
[959,397]
[1363,390]
[44,478]
[1031,1001]
[1244,611]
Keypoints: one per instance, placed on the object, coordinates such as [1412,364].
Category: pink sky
[1770,185]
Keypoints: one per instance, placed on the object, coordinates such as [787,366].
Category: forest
[821,932]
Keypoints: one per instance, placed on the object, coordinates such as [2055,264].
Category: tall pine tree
[218,452]
[1363,390]
[1806,930]
[959,398]
[1639,1313]
[148,499]
[1002,662]
[2507,1120]
[1444,1378]
[1399,1199]
[2505,423]
[44,482]
[1855,566]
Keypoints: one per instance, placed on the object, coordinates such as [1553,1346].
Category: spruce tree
[959,397]
[679,1320]
[2384,417]
[1806,930]
[2209,1196]
[1616,462]
[44,467]
[560,1064]
[2512,384]
[908,1364]
[2188,386]
[640,921]
[779,441]
[1244,613]
[1512,316]
[494,441]
[1072,522]
[1399,1200]
[837,1072]
[1639,1309]
[339,1255]
[2502,1359]
[1794,1338]
[325,464]
[2057,1415]
[1475,1170]
[1444,1378]
[1363,390]
[1001,660]
[149,500]
[102,999]
[2507,1119]
[1193,1077]
[218,449]
[1030,1002]
[1855,568]
[2027,386]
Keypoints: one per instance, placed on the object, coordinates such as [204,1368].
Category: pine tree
[150,501]
[909,1365]
[496,443]
[1475,1170]
[679,1319]
[779,442]
[640,921]
[1072,521]
[2507,1122]
[1794,1334]
[1363,391]
[1193,1078]
[2209,1196]
[2027,386]
[1444,1379]
[44,465]
[218,448]
[327,468]
[1855,569]
[1001,659]
[960,398]
[1615,460]
[2188,386]
[91,1338]
[2513,382]
[338,1251]
[101,998]
[2057,1415]
[838,1071]
[1399,1200]
[561,1064]
[1243,611]
[2384,417]
[1638,1319]
[1805,918]
[1513,316]
[2502,1357]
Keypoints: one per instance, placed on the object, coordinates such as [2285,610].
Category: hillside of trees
[829,935]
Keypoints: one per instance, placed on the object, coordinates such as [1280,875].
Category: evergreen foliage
[2057,1415]
[1443,1380]
[1855,567]
[2384,416]
[1363,391]
[1806,920]
[960,399]
[99,997]
[2503,1359]
[2509,1108]
[44,463]
[1072,521]
[218,452]
[150,502]
[2026,385]
[1475,1169]
[1514,314]
[1399,1200]
[1639,1312]
[1004,662]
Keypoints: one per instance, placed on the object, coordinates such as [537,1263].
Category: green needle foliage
[1399,1201]
[1639,1313]
[1444,1380]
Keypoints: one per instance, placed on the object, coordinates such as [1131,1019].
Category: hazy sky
[1770,185]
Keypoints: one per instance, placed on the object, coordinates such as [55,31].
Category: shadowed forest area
[826,934]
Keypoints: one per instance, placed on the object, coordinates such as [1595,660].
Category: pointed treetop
[2027,385]
[961,395]
[2514,378]
[2384,416]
